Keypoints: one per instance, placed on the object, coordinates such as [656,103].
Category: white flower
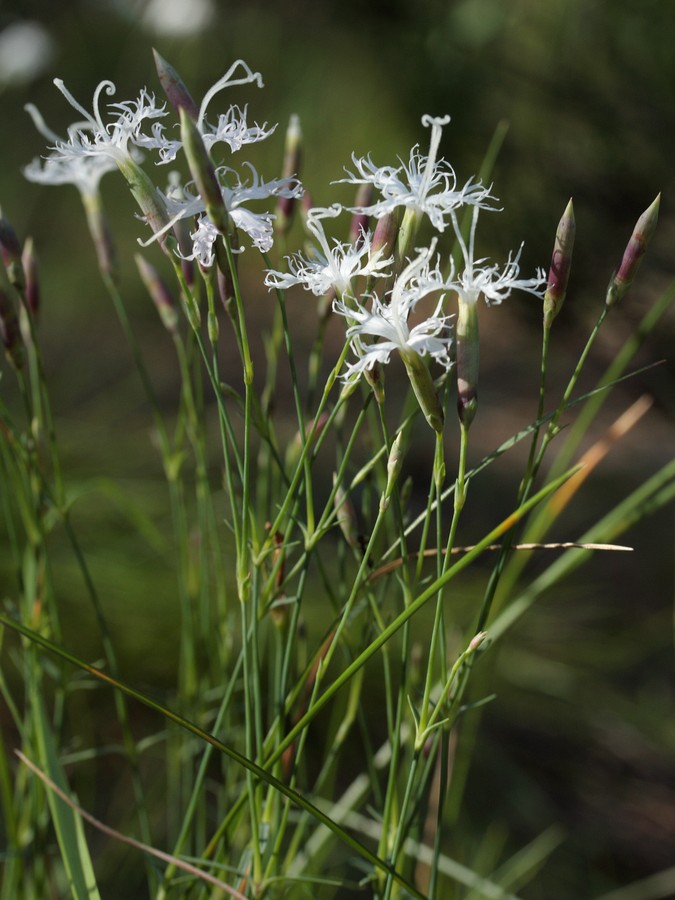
[388,322]
[233,130]
[93,138]
[490,281]
[85,172]
[330,266]
[425,185]
[231,127]
[258,226]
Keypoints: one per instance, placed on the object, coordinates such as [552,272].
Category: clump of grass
[307,580]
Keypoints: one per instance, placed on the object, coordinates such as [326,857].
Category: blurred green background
[582,733]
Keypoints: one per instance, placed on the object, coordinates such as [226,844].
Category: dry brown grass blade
[595,454]
[456,551]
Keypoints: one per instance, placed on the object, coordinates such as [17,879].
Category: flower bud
[423,388]
[561,262]
[203,172]
[635,250]
[476,641]
[10,251]
[360,220]
[279,609]
[374,375]
[159,293]
[394,466]
[386,233]
[384,245]
[468,357]
[174,87]
[30,268]
[10,333]
[346,515]
[314,429]
[290,168]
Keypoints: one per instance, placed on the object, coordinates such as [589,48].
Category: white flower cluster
[378,324]
[385,315]
[98,144]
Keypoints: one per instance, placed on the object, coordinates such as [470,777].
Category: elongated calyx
[30,267]
[467,362]
[635,250]
[159,293]
[290,169]
[10,333]
[203,172]
[10,252]
[423,388]
[561,263]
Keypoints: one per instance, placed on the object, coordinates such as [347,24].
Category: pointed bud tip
[174,87]
[635,249]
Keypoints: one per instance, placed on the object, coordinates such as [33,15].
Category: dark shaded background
[581,734]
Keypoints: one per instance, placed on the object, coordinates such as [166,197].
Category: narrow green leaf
[67,824]
[234,755]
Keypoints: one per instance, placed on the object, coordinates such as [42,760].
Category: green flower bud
[423,388]
[468,358]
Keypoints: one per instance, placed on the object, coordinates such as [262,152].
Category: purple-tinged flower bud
[290,169]
[385,238]
[174,87]
[385,235]
[360,220]
[561,263]
[10,332]
[476,641]
[635,250]
[159,293]
[10,251]
[375,378]
[31,270]
[203,172]
[467,361]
